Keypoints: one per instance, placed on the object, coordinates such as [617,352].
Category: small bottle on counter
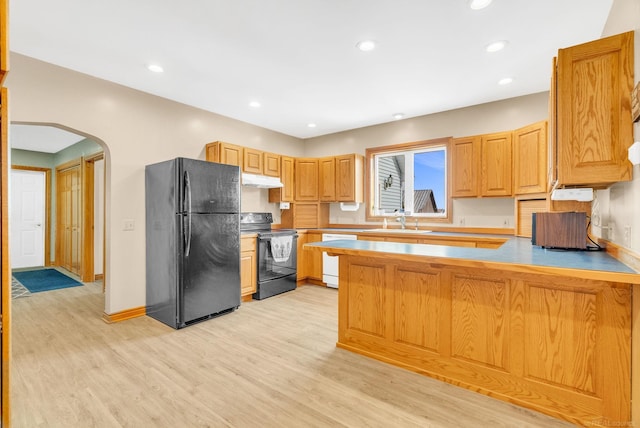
[384,223]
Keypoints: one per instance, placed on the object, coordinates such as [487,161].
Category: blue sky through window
[429,173]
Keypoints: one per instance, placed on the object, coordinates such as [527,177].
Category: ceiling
[298,58]
[41,138]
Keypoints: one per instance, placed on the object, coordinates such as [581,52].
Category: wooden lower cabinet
[313,259]
[555,344]
[309,262]
[248,266]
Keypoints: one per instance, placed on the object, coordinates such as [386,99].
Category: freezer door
[210,267]
[208,187]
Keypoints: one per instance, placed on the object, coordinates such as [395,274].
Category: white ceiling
[298,57]
[41,138]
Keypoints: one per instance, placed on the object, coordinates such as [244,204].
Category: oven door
[277,256]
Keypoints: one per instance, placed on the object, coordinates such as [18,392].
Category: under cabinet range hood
[262,181]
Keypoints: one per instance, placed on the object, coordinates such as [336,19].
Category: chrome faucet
[402,219]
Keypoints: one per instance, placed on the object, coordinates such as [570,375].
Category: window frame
[371,181]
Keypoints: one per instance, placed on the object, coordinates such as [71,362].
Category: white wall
[616,213]
[497,116]
[135,129]
[98,217]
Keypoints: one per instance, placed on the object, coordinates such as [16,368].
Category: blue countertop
[514,252]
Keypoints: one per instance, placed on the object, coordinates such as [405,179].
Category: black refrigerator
[192,240]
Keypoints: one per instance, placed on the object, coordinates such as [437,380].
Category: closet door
[68,215]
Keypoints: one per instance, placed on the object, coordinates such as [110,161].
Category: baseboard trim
[124,315]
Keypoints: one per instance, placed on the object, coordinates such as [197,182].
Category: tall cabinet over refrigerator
[192,239]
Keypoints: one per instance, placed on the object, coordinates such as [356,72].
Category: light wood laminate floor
[271,363]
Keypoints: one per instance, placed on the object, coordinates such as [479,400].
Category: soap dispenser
[384,223]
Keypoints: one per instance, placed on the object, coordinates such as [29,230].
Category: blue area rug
[44,280]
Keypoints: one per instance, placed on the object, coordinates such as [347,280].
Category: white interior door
[27,218]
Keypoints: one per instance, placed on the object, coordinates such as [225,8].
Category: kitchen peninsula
[548,330]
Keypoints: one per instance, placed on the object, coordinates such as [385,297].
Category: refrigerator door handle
[187,185]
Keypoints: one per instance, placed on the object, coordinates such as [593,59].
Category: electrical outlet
[461,221]
[128,224]
[505,222]
[627,236]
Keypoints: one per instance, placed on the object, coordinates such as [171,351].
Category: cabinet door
[4,40]
[465,156]
[286,192]
[496,164]
[306,179]
[349,178]
[302,255]
[595,80]
[313,258]
[248,277]
[271,164]
[252,161]
[226,153]
[327,184]
[530,159]
[287,177]
[553,126]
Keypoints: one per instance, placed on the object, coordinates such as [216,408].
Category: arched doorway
[68,154]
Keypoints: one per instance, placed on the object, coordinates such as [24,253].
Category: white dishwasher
[330,263]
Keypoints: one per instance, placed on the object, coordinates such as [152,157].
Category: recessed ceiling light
[155,68]
[398,116]
[505,81]
[366,45]
[254,104]
[479,4]
[311,125]
[496,46]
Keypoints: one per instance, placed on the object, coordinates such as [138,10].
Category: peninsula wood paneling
[560,332]
[418,308]
[479,321]
[555,344]
[367,298]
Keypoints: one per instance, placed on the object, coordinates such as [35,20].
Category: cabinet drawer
[247,243]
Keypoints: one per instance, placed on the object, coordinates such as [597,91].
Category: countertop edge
[608,276]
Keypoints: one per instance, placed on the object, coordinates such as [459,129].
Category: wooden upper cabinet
[465,155]
[226,153]
[4,40]
[327,183]
[530,159]
[553,124]
[271,164]
[306,179]
[349,181]
[285,193]
[496,164]
[252,161]
[594,128]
